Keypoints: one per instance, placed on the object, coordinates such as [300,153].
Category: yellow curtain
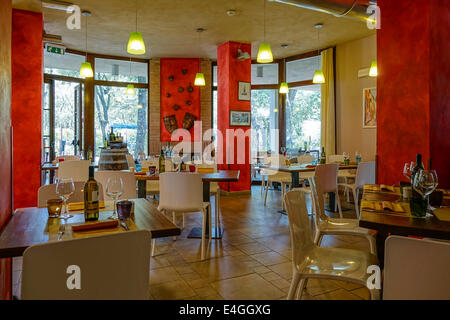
[328,138]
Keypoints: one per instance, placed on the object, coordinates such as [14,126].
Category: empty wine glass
[407,170]
[114,189]
[425,182]
[64,189]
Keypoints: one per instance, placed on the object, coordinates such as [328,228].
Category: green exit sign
[56,49]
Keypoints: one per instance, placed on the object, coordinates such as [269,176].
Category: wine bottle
[105,143]
[323,156]
[112,136]
[91,196]
[416,169]
[162,162]
[89,154]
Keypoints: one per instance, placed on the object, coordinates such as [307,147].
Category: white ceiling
[168,26]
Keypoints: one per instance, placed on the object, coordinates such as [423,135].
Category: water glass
[114,189]
[64,189]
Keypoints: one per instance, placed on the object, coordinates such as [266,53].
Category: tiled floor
[252,261]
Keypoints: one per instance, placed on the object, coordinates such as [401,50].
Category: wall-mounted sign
[55,49]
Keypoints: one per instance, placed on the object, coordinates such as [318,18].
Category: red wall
[26,105]
[229,72]
[413,87]
[174,66]
[5,137]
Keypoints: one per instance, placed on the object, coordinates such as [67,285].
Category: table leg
[196,233]
[380,239]
[142,189]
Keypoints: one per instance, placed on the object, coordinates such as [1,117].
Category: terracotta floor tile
[269,258]
[339,294]
[172,290]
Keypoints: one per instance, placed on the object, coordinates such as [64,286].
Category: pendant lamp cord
[264,21]
[86,36]
[136,15]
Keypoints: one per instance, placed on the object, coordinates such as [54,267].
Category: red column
[229,72]
[413,113]
[26,105]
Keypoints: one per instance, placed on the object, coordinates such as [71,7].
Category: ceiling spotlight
[318,26]
[231,12]
[57,5]
[284,46]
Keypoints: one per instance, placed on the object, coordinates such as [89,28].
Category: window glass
[303,118]
[265,73]
[126,114]
[214,76]
[303,69]
[65,65]
[264,120]
[121,70]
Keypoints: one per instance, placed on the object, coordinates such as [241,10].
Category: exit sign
[56,49]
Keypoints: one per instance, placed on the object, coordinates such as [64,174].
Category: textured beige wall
[155,103]
[351,136]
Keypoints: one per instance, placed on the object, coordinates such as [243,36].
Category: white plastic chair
[365,174]
[335,158]
[311,261]
[78,170]
[182,192]
[128,180]
[283,178]
[335,226]
[416,269]
[130,160]
[114,266]
[327,175]
[49,192]
[214,190]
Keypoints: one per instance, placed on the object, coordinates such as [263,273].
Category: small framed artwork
[370,107]
[244,91]
[240,118]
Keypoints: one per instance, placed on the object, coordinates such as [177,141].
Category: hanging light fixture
[136,43]
[318,75]
[373,72]
[284,88]
[130,88]
[86,68]
[265,52]
[199,77]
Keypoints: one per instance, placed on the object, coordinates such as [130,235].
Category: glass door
[68,117]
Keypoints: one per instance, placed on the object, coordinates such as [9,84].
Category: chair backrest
[114,266]
[416,269]
[335,158]
[180,191]
[301,236]
[319,200]
[128,180]
[365,174]
[78,170]
[275,160]
[326,175]
[130,160]
[68,158]
[306,158]
[49,192]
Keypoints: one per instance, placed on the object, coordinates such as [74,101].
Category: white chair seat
[346,174]
[338,263]
[152,187]
[346,226]
[303,189]
[184,209]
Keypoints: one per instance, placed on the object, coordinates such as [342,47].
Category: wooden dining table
[207,178]
[30,226]
[295,170]
[387,223]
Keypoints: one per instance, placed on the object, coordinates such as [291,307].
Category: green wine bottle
[323,156]
[162,162]
[91,196]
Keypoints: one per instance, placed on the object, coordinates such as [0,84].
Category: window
[303,123]
[265,73]
[46,114]
[126,114]
[264,120]
[121,70]
[63,65]
[302,69]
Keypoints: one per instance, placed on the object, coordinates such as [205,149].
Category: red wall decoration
[413,93]
[180,99]
[229,72]
[26,105]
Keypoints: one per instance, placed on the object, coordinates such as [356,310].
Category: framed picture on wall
[370,107]
[240,118]
[244,91]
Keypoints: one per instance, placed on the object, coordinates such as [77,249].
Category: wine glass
[64,189]
[114,189]
[425,182]
[407,170]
